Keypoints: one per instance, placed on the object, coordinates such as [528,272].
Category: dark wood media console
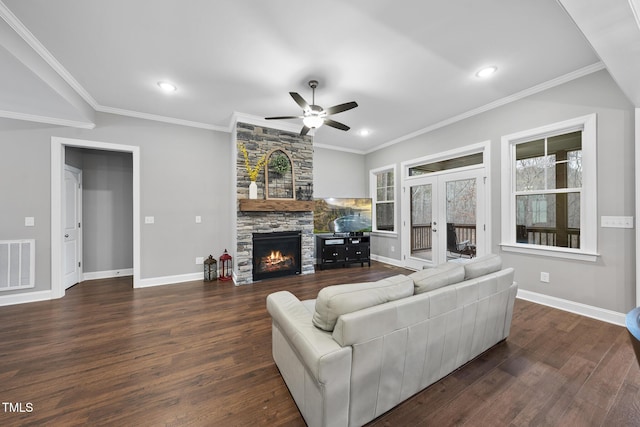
[342,250]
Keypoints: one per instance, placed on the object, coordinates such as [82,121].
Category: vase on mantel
[253,190]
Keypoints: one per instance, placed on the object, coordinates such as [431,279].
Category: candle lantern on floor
[210,269]
[226,266]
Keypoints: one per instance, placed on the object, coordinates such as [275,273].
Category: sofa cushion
[437,277]
[334,301]
[482,265]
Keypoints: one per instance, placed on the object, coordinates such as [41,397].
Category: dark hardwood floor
[199,354]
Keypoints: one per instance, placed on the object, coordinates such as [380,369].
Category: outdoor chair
[464,248]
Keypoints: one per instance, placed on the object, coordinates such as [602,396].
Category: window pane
[390,179]
[384,216]
[574,172]
[531,166]
[389,193]
[548,219]
[566,149]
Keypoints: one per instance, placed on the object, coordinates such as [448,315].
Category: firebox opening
[277,254]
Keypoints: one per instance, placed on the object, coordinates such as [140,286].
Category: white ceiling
[410,65]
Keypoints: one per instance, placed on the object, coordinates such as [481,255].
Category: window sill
[550,251]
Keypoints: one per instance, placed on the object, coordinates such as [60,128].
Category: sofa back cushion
[334,301]
[482,265]
[434,278]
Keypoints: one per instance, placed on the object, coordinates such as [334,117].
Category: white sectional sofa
[360,349]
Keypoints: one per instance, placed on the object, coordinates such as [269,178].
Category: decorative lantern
[226,266]
[210,269]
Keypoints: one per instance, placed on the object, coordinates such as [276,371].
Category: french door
[443,217]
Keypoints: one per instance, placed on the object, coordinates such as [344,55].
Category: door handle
[434,230]
[66,235]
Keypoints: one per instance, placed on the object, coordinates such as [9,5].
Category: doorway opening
[58,148]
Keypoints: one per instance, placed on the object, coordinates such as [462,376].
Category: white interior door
[71,263]
[434,203]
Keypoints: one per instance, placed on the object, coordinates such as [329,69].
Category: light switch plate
[149,220]
[29,221]
[198,219]
[616,221]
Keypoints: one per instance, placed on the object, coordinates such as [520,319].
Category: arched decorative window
[279,175]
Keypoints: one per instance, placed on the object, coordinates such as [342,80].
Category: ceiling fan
[313,116]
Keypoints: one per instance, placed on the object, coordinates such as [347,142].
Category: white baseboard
[25,297]
[574,307]
[168,280]
[390,261]
[93,275]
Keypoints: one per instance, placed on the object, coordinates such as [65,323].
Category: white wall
[184,172]
[608,283]
[338,174]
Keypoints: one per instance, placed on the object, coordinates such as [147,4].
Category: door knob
[66,235]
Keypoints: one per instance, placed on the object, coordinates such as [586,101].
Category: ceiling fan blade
[341,107]
[336,125]
[305,130]
[283,117]
[300,100]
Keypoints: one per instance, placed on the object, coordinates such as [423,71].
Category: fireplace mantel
[275,205]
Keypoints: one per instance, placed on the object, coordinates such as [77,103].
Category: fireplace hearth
[276,254]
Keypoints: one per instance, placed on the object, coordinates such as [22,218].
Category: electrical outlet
[149,220]
[198,219]
[393,248]
[544,277]
[199,260]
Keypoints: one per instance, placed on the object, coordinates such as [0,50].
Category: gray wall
[107,207]
[184,172]
[608,283]
[338,174]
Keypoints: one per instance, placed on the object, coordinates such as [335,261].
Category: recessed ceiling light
[167,87]
[364,132]
[487,71]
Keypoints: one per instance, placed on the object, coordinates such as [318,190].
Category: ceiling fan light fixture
[313,121]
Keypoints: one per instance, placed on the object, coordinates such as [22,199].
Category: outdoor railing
[548,236]
[421,235]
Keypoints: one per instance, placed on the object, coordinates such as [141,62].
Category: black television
[342,215]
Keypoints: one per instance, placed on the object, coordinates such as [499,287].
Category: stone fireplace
[263,216]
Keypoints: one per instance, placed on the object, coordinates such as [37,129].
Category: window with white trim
[549,193]
[382,185]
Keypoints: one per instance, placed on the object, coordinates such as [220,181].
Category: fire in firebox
[276,261]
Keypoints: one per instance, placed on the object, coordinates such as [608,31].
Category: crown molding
[589,69]
[158,118]
[45,119]
[39,48]
[342,149]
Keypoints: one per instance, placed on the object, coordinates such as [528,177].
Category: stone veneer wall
[259,141]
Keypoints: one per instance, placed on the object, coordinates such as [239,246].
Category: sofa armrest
[316,348]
